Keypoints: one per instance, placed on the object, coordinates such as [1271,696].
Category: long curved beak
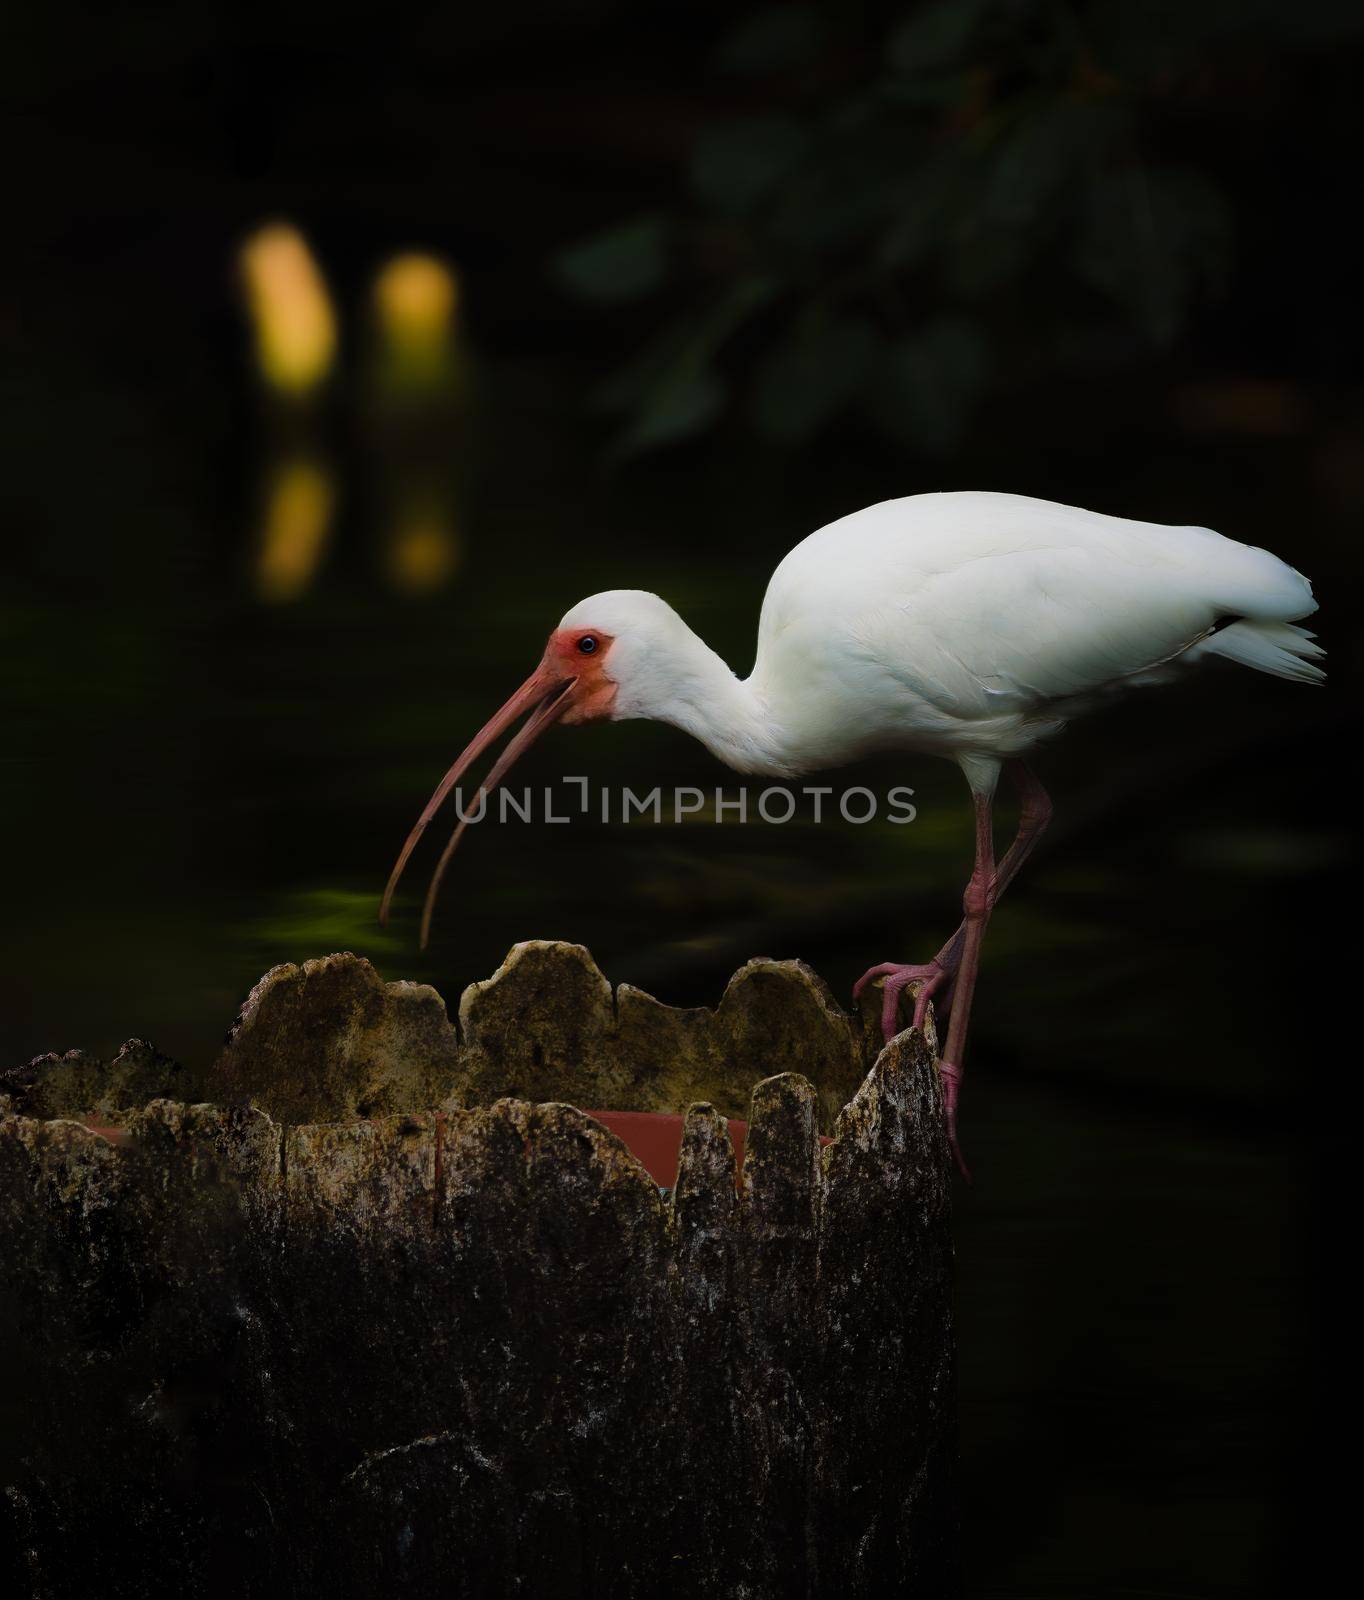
[546,694]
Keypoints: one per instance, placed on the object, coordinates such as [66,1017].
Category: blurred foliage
[951,198]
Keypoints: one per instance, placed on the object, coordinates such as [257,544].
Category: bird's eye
[587,644]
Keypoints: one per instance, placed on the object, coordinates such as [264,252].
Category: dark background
[722,275]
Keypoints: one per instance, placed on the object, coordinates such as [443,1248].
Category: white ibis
[966,625]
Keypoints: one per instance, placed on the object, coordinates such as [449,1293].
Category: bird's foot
[933,977]
[951,1077]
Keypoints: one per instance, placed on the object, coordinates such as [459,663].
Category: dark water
[199,782]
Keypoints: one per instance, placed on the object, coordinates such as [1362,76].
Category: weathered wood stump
[389,1317]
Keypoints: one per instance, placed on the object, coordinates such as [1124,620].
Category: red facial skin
[595,690]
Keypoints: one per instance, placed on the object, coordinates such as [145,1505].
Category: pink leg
[938,976]
[951,974]
[1034,814]
[976,903]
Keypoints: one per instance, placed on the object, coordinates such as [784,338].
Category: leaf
[688,344]
[929,382]
[774,39]
[1151,239]
[622,263]
[735,164]
[1040,154]
[920,206]
[936,36]
[673,389]
[838,200]
[684,405]
[811,375]
[1020,198]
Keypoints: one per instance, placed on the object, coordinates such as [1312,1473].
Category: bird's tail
[1278,648]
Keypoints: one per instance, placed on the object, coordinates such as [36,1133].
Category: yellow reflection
[298,514]
[422,551]
[291,311]
[416,296]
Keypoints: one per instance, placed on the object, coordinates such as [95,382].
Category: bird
[969,625]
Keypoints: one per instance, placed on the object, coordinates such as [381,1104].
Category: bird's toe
[896,977]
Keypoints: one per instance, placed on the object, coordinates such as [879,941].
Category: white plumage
[966,625]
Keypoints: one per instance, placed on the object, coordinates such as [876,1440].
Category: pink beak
[546,693]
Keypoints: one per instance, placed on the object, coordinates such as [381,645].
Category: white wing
[979,605]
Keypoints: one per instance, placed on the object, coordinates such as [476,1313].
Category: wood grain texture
[466,1345]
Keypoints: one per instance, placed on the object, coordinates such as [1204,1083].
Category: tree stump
[386,1314]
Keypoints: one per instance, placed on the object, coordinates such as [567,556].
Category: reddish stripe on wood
[113,1134]
[654,1139]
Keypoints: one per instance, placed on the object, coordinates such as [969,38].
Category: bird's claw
[931,976]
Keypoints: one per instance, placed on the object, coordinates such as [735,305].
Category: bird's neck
[695,690]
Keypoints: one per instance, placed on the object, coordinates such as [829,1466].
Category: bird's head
[612,656]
